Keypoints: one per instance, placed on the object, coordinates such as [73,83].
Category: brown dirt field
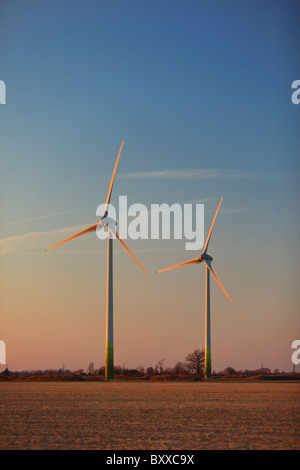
[149,415]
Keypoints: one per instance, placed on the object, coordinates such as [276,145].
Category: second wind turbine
[110,225]
[207,260]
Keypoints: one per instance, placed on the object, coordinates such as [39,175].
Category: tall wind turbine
[207,260]
[110,225]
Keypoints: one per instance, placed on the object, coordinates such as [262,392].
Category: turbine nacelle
[205,256]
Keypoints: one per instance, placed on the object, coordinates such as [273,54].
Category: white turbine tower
[207,260]
[110,225]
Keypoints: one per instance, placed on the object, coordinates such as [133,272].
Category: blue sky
[201,93]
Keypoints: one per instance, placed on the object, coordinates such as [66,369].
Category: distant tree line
[192,366]
[38,372]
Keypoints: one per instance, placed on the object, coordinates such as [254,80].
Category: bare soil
[149,415]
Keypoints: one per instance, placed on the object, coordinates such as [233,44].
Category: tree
[195,362]
[100,371]
[118,370]
[229,371]
[179,368]
[141,369]
[91,369]
[159,367]
[150,371]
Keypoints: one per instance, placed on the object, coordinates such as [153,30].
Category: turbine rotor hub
[206,256]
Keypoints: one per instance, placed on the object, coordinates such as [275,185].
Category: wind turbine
[207,260]
[110,225]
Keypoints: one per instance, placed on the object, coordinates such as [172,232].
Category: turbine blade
[113,179]
[212,226]
[112,229]
[92,228]
[192,261]
[218,280]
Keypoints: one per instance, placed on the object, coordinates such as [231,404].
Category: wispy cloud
[203,200]
[202,174]
[198,174]
[40,217]
[36,241]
